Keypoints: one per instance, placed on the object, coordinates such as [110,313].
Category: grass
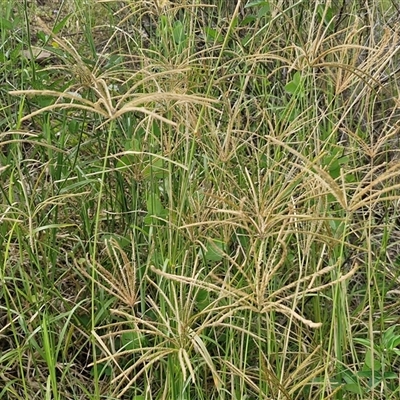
[199,201]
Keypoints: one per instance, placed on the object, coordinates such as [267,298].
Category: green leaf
[131,340]
[85,320]
[156,130]
[202,299]
[213,35]
[6,24]
[295,85]
[73,127]
[371,362]
[135,145]
[263,11]
[214,250]
[103,370]
[334,163]
[3,57]
[126,161]
[42,36]
[390,340]
[154,209]
[154,205]
[297,78]
[57,28]
[122,241]
[393,342]
[350,178]
[247,21]
[364,342]
[113,60]
[327,14]
[154,169]
[353,388]
[389,333]
[291,87]
[390,375]
[365,374]
[178,32]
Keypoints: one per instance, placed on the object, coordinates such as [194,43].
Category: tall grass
[199,201]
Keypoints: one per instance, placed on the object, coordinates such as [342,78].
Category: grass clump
[199,201]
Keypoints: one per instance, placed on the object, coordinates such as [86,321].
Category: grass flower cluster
[199,200]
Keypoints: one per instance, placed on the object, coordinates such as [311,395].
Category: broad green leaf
[294,86]
[214,251]
[213,35]
[131,340]
[371,362]
[154,169]
[327,14]
[85,320]
[291,87]
[5,24]
[334,163]
[154,209]
[125,162]
[202,299]
[154,205]
[73,126]
[247,21]
[390,375]
[353,388]
[367,373]
[178,32]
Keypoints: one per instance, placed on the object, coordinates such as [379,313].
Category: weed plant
[199,200]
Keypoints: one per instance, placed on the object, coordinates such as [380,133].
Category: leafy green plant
[380,359]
